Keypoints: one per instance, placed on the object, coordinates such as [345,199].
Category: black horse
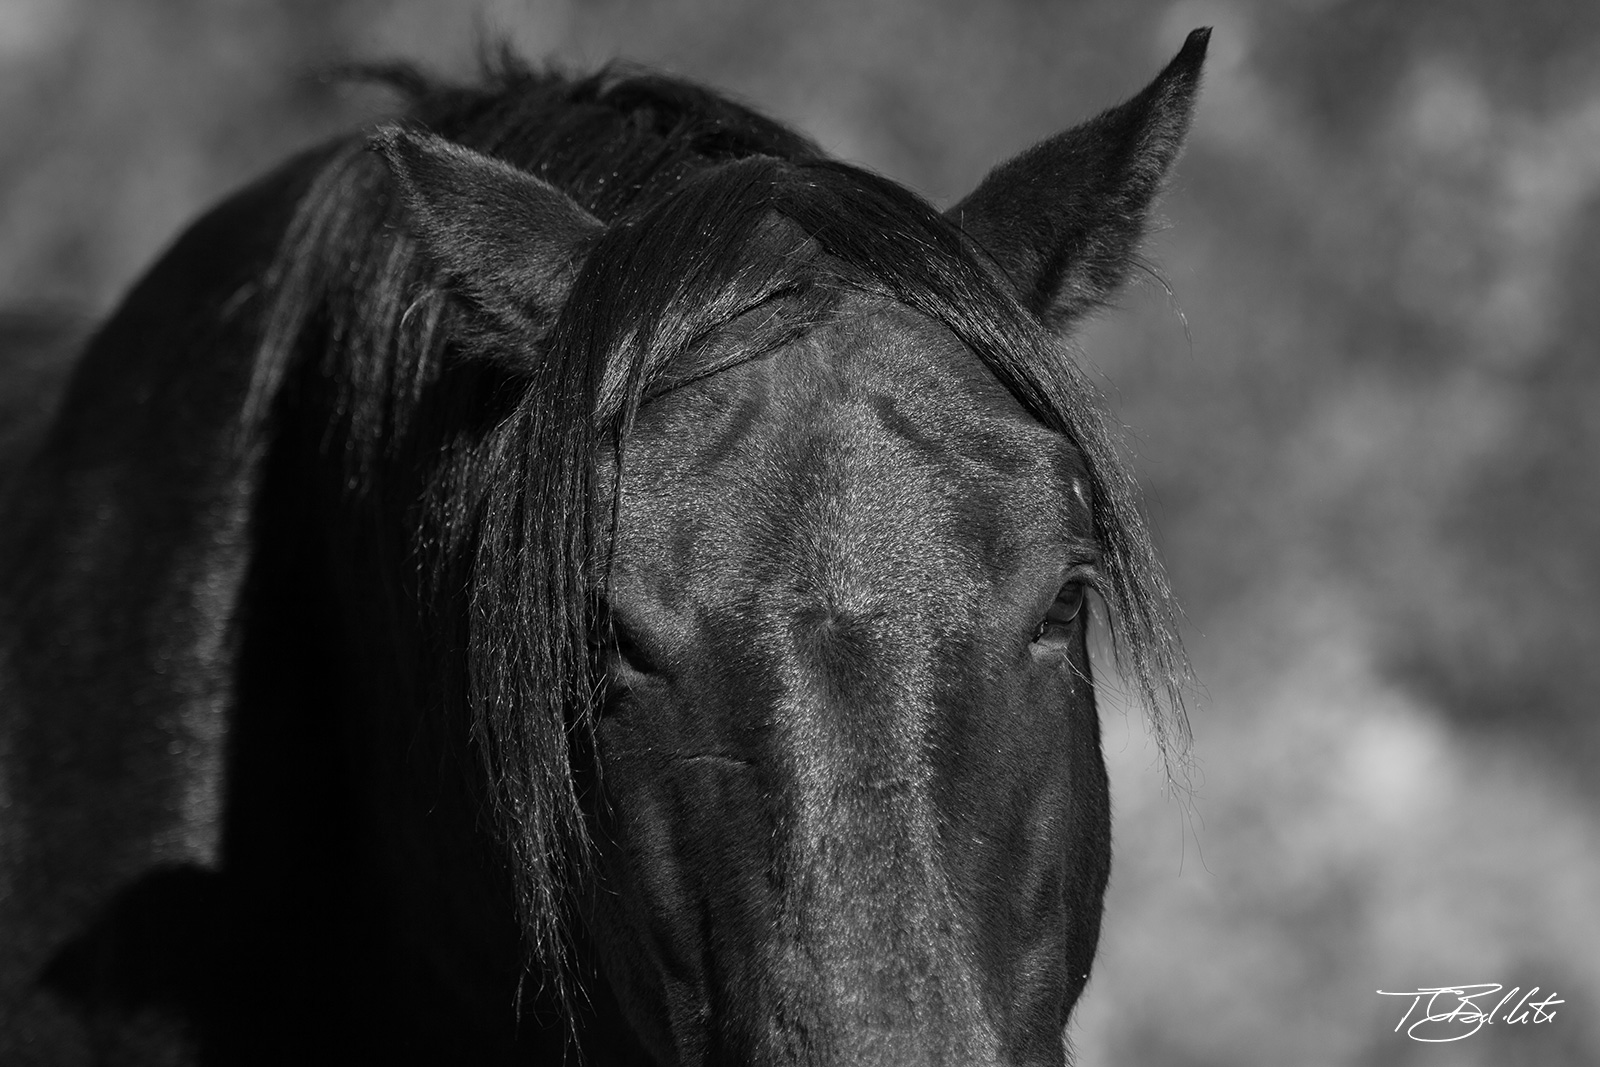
[581,568]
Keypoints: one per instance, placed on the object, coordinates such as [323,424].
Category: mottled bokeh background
[1368,414]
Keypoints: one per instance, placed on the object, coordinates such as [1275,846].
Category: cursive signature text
[1450,1013]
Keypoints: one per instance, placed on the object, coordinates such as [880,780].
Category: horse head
[788,657]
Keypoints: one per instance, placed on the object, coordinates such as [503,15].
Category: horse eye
[629,651]
[1069,602]
[615,643]
[1058,620]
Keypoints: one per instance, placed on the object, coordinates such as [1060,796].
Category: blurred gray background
[1368,418]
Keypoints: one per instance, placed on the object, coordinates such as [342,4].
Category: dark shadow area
[298,950]
[153,950]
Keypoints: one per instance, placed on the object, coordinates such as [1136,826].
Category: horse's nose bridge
[869,924]
[857,628]
[872,949]
[857,600]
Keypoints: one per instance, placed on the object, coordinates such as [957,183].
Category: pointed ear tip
[1193,52]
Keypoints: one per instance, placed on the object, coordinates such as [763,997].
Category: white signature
[1454,1012]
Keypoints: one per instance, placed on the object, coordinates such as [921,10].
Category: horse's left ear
[503,238]
[1063,220]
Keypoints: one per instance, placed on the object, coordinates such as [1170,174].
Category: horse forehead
[879,425]
[846,464]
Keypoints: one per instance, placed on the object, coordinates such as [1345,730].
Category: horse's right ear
[504,239]
[1063,220]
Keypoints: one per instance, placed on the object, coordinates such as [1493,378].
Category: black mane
[713,212]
